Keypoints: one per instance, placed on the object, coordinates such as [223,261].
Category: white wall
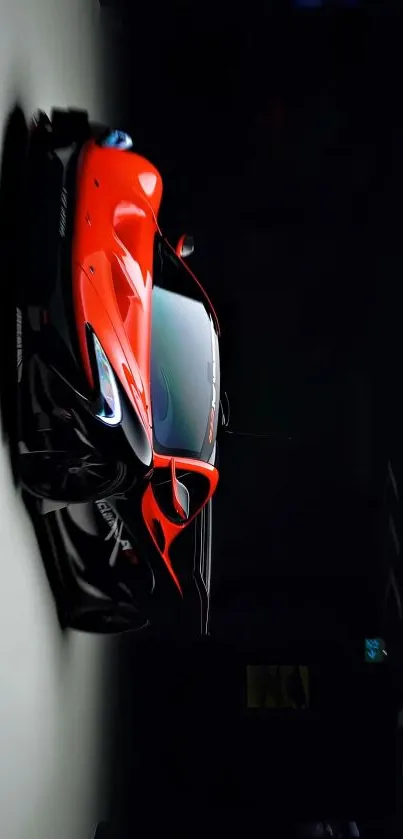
[52,689]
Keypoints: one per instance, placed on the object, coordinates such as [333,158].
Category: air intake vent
[158,534]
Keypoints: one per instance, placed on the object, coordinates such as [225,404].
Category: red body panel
[151,510]
[117,202]
[118,196]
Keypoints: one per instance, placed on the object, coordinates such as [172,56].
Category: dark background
[278,135]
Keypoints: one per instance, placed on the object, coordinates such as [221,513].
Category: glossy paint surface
[118,197]
[117,203]
[151,511]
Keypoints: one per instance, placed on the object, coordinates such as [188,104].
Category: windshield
[184,363]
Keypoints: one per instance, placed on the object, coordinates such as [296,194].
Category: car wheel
[59,476]
[126,608]
[108,618]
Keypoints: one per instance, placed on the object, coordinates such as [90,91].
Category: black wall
[280,145]
[279,139]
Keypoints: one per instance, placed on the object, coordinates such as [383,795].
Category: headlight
[111,410]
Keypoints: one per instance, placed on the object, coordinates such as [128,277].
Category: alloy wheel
[61,477]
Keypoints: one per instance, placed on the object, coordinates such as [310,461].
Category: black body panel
[94,555]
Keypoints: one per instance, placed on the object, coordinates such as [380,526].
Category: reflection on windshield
[162,400]
[184,362]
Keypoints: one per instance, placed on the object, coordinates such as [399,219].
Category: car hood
[118,196]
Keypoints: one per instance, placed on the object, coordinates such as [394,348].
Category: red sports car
[119,367]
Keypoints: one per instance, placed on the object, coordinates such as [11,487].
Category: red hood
[117,201]
[118,196]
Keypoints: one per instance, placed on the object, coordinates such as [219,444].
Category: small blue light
[118,140]
[375,650]
[373,643]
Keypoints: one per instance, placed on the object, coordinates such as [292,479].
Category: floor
[53,699]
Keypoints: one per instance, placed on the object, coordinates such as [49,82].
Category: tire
[127,609]
[111,619]
[40,197]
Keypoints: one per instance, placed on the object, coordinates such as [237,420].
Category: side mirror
[180,494]
[185,246]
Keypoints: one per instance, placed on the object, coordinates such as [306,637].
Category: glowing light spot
[375,650]
[148,181]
